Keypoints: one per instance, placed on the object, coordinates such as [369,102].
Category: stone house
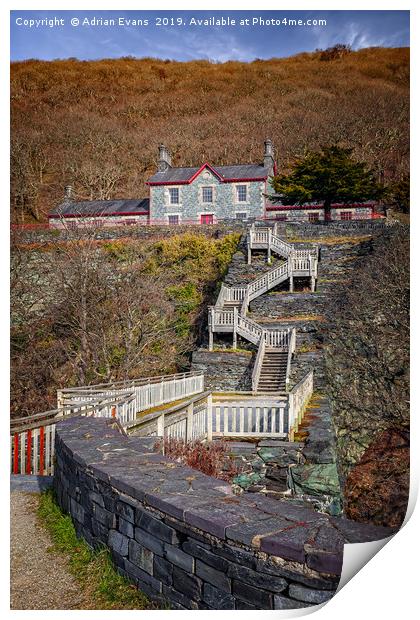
[202,194]
[205,194]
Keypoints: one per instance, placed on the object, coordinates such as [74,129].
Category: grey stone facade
[191,206]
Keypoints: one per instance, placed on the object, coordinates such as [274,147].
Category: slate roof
[227,173]
[87,208]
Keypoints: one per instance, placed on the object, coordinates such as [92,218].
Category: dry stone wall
[184,538]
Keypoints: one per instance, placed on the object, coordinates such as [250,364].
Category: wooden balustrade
[32,437]
[256,371]
[199,418]
[277,339]
[130,383]
[298,399]
[290,351]
[185,421]
[262,418]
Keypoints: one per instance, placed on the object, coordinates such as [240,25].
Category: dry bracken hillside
[96,124]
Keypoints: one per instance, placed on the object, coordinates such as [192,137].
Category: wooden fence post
[235,324]
[210,328]
[290,266]
[209,417]
[160,431]
[190,422]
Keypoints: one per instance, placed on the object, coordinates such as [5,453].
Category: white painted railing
[149,392]
[301,264]
[280,246]
[256,371]
[266,237]
[221,298]
[32,437]
[247,328]
[187,421]
[263,418]
[277,339]
[220,318]
[298,399]
[245,303]
[290,352]
[269,280]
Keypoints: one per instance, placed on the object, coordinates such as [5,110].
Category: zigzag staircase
[229,314]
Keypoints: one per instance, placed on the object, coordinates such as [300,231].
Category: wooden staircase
[273,371]
[229,314]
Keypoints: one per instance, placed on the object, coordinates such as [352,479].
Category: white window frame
[170,202]
[237,186]
[213,193]
[178,215]
[244,213]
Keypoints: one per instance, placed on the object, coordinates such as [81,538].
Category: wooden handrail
[156,414]
[86,407]
[256,371]
[134,382]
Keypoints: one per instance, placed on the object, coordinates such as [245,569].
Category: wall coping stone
[167,501]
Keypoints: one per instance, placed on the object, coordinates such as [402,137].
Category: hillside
[96,125]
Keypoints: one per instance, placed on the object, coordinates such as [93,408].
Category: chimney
[68,193]
[164,161]
[269,156]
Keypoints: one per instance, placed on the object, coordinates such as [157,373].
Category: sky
[184,40]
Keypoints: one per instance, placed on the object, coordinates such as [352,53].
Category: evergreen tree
[327,176]
[399,195]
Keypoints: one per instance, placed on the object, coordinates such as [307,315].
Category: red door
[206,219]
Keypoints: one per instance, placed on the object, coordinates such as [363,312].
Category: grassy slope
[104,587]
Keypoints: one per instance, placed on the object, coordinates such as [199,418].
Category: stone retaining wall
[183,537]
[224,370]
[336,228]
[143,231]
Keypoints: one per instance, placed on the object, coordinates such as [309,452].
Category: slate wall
[224,370]
[183,538]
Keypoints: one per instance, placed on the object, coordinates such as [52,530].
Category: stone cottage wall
[183,538]
[191,205]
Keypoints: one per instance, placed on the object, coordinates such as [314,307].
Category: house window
[241,193]
[281,218]
[346,215]
[313,217]
[173,219]
[174,195]
[207,194]
[241,216]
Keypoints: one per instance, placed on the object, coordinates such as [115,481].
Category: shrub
[211,458]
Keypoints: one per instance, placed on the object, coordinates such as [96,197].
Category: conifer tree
[327,176]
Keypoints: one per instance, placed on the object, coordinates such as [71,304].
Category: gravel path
[40,579]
